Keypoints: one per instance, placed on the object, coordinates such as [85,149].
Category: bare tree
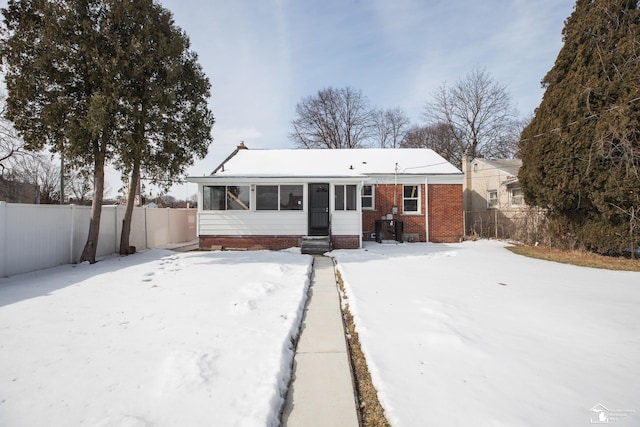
[80,185]
[479,114]
[11,145]
[334,118]
[438,137]
[39,169]
[389,127]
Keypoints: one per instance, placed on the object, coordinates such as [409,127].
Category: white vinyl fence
[33,237]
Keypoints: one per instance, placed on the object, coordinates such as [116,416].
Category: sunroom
[279,212]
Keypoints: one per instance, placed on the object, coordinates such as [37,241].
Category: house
[275,199]
[18,192]
[492,195]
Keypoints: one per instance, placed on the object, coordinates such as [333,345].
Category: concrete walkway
[322,391]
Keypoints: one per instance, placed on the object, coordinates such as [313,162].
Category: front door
[318,209]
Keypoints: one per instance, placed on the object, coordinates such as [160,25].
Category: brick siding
[345,242]
[251,242]
[445,221]
[445,212]
[446,216]
[271,242]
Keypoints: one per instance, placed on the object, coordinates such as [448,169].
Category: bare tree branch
[334,118]
[479,115]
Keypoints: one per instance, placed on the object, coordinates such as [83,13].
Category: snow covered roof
[335,163]
[508,166]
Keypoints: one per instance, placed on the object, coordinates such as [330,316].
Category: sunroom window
[227,197]
[346,197]
[291,198]
[279,197]
[266,197]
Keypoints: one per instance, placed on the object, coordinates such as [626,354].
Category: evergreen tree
[60,79]
[105,80]
[581,151]
[164,95]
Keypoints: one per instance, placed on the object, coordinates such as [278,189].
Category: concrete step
[316,244]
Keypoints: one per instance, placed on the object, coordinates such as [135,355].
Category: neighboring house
[275,199]
[492,194]
[18,192]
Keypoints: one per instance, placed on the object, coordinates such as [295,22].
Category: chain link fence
[524,225]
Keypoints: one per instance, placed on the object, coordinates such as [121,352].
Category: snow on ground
[472,335]
[154,339]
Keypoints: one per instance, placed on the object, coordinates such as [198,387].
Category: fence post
[3,237]
[146,227]
[169,239]
[71,234]
[116,247]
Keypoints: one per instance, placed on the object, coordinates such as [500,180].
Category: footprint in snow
[243,307]
[185,371]
[148,276]
[122,421]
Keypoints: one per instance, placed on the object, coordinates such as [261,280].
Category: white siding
[346,223]
[252,223]
[281,223]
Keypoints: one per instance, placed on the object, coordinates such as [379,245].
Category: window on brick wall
[411,198]
[226,197]
[367,197]
[345,197]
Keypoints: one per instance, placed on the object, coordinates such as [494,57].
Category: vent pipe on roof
[221,165]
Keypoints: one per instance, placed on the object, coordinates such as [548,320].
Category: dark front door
[318,209]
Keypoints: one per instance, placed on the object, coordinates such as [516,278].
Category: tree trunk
[128,214]
[90,248]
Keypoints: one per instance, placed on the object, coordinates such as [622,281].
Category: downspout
[426,207]
[360,213]
[395,186]
[200,208]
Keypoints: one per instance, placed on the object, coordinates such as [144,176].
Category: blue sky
[263,56]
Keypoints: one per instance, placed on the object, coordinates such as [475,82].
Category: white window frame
[280,194]
[226,198]
[372,196]
[417,199]
[345,197]
[512,197]
[492,202]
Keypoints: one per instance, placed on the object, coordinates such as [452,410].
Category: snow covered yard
[154,339]
[472,335]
